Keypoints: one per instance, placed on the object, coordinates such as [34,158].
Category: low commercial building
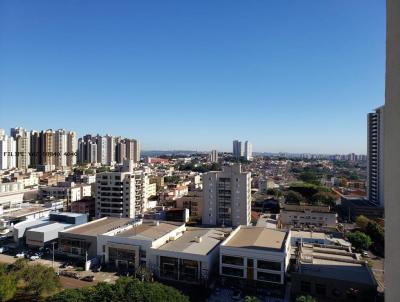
[45,231]
[299,237]
[255,256]
[79,240]
[355,206]
[307,215]
[128,247]
[332,274]
[190,258]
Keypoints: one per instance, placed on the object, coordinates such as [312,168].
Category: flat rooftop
[187,243]
[327,263]
[258,238]
[307,234]
[150,231]
[100,226]
[18,213]
[56,226]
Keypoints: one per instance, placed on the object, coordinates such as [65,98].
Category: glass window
[232,260]
[270,265]
[236,272]
[262,276]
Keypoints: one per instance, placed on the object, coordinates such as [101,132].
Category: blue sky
[294,76]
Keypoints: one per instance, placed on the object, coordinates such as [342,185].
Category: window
[262,276]
[305,287]
[270,265]
[250,263]
[236,272]
[232,260]
[320,289]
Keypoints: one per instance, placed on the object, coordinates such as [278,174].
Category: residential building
[110,150]
[102,149]
[48,147]
[60,148]
[193,202]
[375,156]
[248,150]
[8,148]
[227,197]
[307,215]
[213,156]
[332,273]
[237,149]
[23,147]
[255,256]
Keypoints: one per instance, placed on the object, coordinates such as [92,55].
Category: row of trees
[125,289]
[374,231]
[28,282]
[201,168]
[310,193]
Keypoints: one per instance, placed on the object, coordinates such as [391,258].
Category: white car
[365,254]
[34,257]
[20,255]
[2,249]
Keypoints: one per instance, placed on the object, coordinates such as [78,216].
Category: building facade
[227,197]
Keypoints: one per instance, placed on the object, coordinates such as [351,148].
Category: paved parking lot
[68,282]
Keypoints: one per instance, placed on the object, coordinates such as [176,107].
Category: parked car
[66,265]
[365,254]
[88,278]
[34,257]
[20,255]
[69,274]
[3,249]
[96,269]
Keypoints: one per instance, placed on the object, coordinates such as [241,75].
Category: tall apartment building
[60,147]
[87,149]
[132,150]
[72,148]
[36,148]
[237,149]
[120,150]
[102,149]
[48,137]
[227,197]
[110,150]
[213,156]
[7,151]
[115,194]
[121,193]
[22,137]
[375,157]
[248,150]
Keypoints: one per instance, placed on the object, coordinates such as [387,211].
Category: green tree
[305,299]
[323,198]
[309,177]
[251,299]
[294,197]
[172,179]
[359,240]
[7,284]
[40,280]
[362,222]
[377,234]
[275,192]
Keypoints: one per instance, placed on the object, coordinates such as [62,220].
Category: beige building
[227,197]
[194,203]
[306,215]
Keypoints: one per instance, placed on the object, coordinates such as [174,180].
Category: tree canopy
[125,289]
[359,240]
[305,299]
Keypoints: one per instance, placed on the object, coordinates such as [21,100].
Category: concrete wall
[392,153]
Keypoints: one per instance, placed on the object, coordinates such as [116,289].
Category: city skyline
[135,70]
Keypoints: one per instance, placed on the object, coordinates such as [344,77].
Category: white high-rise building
[110,150]
[102,149]
[72,148]
[213,156]
[60,148]
[237,149]
[248,150]
[375,157]
[7,151]
[227,197]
